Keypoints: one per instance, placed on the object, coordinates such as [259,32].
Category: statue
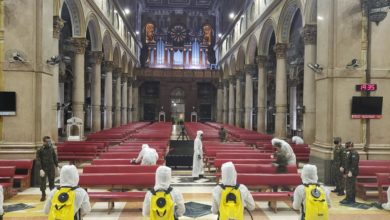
[207,34]
[149,28]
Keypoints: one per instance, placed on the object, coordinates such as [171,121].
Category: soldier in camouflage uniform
[47,160]
[338,157]
[350,170]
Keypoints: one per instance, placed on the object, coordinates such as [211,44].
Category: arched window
[160,51]
[195,52]
[178,58]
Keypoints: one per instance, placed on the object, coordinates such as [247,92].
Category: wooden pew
[22,171]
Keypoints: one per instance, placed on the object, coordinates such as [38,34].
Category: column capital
[117,72]
[240,75]
[250,69]
[58,24]
[261,60]
[97,57]
[225,82]
[280,50]
[109,66]
[310,34]
[232,78]
[79,45]
[220,85]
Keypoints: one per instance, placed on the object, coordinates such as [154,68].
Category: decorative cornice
[79,45]
[280,50]
[97,57]
[310,34]
[58,24]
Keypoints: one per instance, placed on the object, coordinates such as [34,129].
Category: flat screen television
[366,107]
[7,103]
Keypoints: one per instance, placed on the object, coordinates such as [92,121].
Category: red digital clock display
[366,87]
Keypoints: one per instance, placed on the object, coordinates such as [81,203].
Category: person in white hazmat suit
[163,182]
[308,176]
[286,148]
[297,140]
[197,164]
[69,177]
[229,178]
[147,156]
[387,205]
[1,202]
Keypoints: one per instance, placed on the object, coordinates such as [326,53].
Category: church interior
[96,80]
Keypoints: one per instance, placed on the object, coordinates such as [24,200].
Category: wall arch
[94,31]
[285,20]
[232,65]
[240,60]
[265,36]
[117,56]
[77,17]
[107,44]
[251,49]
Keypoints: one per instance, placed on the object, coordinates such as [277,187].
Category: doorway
[177,105]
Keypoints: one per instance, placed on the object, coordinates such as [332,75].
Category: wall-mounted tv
[366,107]
[7,103]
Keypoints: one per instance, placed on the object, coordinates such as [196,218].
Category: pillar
[130,100]
[108,94]
[225,102]
[261,88]
[281,91]
[96,91]
[78,96]
[231,99]
[118,98]
[239,110]
[309,91]
[219,101]
[250,71]
[135,101]
[124,100]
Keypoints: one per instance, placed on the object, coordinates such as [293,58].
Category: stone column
[261,88]
[250,71]
[309,91]
[135,101]
[225,101]
[108,94]
[231,99]
[239,110]
[124,100]
[96,91]
[219,102]
[130,100]
[118,104]
[281,91]
[78,96]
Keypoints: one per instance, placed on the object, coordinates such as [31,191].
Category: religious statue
[207,34]
[149,28]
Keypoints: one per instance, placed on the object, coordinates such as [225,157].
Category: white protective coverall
[147,156]
[286,148]
[297,140]
[229,178]
[197,164]
[163,181]
[387,205]
[69,177]
[308,176]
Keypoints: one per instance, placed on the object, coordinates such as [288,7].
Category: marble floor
[198,191]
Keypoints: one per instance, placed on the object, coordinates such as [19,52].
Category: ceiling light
[137,32]
[127,11]
[231,15]
[320,18]
[219,35]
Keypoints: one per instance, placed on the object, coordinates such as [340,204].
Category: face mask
[336,142]
[48,142]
